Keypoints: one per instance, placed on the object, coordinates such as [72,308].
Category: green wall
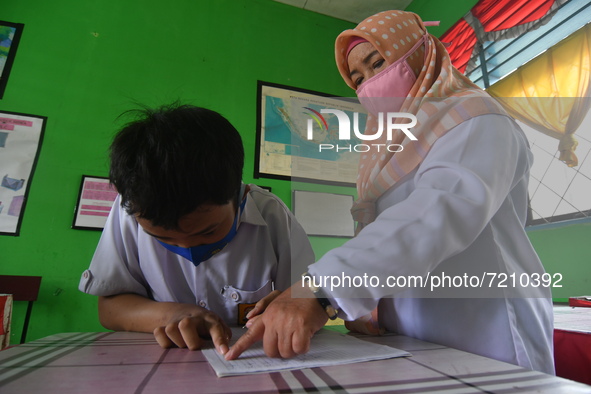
[565,250]
[447,12]
[82,63]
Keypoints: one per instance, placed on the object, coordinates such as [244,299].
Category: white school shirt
[268,246]
[461,212]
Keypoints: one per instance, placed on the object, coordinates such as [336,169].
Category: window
[558,192]
[498,37]
[502,56]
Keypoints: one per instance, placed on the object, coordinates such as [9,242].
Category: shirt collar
[251,213]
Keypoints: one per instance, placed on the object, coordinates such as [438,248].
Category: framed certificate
[95,200]
[21,136]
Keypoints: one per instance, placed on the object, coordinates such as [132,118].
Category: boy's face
[205,225]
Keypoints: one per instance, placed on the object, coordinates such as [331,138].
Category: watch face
[322,300]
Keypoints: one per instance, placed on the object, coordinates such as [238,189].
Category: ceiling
[350,10]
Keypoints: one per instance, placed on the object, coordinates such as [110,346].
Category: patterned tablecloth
[133,363]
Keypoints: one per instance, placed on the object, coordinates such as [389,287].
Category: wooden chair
[22,288]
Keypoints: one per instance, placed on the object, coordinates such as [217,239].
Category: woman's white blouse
[460,214]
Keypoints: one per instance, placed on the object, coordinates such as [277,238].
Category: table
[122,362]
[572,342]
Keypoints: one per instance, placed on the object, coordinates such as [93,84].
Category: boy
[187,248]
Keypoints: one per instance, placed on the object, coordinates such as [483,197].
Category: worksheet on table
[327,348]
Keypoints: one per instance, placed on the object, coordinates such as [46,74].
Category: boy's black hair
[173,159]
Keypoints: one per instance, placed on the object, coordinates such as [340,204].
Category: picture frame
[95,199]
[10,36]
[286,117]
[21,137]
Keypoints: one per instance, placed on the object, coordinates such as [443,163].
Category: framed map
[296,140]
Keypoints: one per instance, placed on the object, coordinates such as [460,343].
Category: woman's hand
[364,325]
[286,327]
[261,306]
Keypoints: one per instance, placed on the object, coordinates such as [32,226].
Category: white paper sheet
[324,214]
[327,348]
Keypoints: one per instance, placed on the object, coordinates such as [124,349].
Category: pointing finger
[254,334]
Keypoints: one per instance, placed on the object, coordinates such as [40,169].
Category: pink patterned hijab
[441,98]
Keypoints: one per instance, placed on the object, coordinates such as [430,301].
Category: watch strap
[324,302]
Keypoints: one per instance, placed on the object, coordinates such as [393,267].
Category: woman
[441,223]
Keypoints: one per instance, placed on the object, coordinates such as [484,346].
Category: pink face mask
[386,91]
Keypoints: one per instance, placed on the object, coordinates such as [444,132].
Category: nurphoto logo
[386,123]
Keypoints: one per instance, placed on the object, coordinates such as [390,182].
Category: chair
[22,288]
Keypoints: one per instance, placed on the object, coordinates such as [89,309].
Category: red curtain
[498,15]
[491,20]
[461,40]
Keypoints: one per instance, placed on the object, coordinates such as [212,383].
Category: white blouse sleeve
[458,188]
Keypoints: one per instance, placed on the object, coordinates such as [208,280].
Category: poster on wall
[94,203]
[21,136]
[324,214]
[297,139]
[10,34]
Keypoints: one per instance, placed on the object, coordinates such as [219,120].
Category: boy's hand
[173,323]
[286,327]
[189,331]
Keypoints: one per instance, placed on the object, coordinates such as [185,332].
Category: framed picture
[297,140]
[10,35]
[95,200]
[324,214]
[21,136]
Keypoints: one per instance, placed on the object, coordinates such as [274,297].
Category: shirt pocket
[239,302]
[235,295]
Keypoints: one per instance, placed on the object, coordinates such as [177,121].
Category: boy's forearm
[132,312]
